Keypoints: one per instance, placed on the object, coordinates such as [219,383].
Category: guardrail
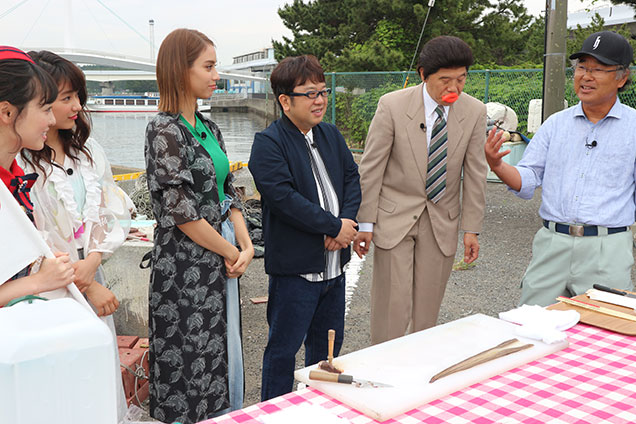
[234,166]
[126,177]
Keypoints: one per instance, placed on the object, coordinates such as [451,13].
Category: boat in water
[123,103]
[128,103]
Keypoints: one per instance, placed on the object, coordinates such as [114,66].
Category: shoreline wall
[267,108]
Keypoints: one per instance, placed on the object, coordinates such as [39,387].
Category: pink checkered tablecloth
[592,381]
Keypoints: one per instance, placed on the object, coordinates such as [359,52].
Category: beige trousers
[408,285]
[563,265]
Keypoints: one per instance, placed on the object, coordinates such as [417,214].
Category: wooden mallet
[328,364]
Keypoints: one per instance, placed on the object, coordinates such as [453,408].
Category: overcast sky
[538,6]
[236,26]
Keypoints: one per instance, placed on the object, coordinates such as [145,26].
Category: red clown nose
[450,97]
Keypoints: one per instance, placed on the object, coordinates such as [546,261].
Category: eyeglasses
[595,72]
[312,94]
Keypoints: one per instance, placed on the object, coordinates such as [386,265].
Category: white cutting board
[408,363]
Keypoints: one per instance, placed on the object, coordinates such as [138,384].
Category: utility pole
[151,25]
[556,15]
[68,43]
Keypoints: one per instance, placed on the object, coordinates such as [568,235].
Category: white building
[614,17]
[258,63]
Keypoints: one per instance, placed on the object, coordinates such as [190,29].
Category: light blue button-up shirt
[583,184]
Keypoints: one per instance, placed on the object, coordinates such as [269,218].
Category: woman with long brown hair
[84,212]
[80,209]
[196,369]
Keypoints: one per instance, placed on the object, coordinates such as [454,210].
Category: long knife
[596,308]
[498,351]
[613,291]
[345,379]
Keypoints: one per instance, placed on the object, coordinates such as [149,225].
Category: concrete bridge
[132,68]
[136,68]
[109,75]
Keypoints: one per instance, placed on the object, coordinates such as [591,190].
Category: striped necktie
[436,170]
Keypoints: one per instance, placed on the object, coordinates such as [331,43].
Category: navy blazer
[294,223]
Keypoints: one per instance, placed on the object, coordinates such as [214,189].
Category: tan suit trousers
[408,285]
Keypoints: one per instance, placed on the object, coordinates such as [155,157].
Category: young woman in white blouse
[80,209]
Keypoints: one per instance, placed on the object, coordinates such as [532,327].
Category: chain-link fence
[357,94]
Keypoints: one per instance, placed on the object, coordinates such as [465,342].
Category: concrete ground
[490,287]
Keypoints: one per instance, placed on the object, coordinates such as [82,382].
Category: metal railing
[355,95]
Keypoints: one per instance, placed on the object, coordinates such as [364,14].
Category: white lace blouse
[85,209]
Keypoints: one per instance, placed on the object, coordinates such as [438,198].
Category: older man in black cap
[584,158]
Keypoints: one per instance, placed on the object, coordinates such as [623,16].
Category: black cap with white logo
[607,47]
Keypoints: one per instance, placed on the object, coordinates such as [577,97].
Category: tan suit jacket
[393,170]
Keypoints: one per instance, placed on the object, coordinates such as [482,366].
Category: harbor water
[122,134]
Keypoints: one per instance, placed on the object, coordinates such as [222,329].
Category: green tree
[370,56]
[504,34]
[535,43]
[317,28]
[373,35]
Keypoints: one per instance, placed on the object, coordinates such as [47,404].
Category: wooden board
[597,319]
[409,362]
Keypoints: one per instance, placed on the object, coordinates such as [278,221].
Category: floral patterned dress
[187,313]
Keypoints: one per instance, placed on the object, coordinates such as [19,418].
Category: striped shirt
[329,202]
[431,115]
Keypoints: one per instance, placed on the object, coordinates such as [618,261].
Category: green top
[211,145]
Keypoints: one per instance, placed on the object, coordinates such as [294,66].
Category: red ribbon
[7,52]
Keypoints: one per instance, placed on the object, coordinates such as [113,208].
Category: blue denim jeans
[299,310]
[234,348]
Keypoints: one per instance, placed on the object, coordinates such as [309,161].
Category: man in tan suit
[420,141]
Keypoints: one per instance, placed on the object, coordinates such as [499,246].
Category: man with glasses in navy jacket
[310,194]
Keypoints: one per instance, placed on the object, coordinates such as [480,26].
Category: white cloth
[615,299]
[23,245]
[542,324]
